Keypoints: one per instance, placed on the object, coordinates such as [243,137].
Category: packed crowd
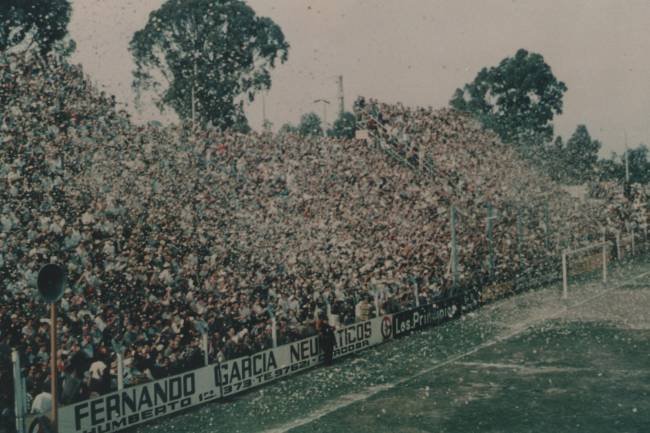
[533,217]
[169,232]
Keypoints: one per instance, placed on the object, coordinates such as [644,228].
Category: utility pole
[341,97]
[627,161]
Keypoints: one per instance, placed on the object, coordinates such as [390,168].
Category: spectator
[151,246]
[42,404]
[327,340]
[362,310]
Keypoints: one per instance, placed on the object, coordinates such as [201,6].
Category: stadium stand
[166,230]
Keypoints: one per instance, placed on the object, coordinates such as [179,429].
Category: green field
[529,363]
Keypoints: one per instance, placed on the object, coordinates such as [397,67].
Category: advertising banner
[134,405]
[131,406]
[240,374]
[421,317]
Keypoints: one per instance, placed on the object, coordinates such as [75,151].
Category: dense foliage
[310,125]
[39,24]
[345,126]
[203,58]
[517,99]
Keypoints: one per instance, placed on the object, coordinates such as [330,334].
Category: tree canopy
[638,163]
[345,126]
[206,57]
[517,99]
[310,125]
[552,159]
[580,156]
[287,129]
[39,24]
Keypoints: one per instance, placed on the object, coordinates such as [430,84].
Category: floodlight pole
[341,96]
[53,359]
[627,161]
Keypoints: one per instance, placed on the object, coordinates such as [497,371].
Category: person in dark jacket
[327,340]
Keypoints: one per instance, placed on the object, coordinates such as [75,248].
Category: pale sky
[418,52]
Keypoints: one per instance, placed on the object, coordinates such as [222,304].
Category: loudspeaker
[51,279]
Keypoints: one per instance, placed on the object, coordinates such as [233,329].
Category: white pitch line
[350,399]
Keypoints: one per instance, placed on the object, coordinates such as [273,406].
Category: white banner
[121,409]
[243,373]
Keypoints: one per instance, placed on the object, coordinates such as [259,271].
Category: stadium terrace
[171,233]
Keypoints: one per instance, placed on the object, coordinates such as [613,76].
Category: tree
[210,55]
[638,163]
[581,155]
[344,127]
[517,99]
[612,168]
[42,24]
[553,159]
[310,125]
[287,129]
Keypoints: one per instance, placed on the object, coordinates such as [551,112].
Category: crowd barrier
[145,402]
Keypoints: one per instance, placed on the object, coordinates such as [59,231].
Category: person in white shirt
[97,370]
[42,404]
[42,407]
[362,310]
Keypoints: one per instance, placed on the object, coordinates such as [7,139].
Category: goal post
[587,261]
[625,246]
